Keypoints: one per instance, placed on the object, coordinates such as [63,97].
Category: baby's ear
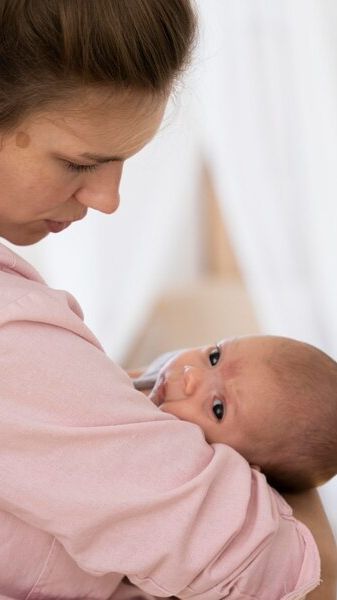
[256,467]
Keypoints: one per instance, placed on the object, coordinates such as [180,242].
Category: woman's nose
[192,377]
[100,191]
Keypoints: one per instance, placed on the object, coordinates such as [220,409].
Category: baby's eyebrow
[232,365]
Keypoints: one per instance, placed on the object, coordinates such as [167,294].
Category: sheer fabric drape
[267,92]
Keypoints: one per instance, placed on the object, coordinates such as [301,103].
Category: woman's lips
[57,226]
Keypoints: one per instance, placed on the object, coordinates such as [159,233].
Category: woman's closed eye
[214,356]
[218,409]
[79,168]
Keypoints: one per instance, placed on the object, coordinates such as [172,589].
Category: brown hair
[51,48]
[304,454]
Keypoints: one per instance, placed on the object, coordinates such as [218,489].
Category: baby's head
[273,399]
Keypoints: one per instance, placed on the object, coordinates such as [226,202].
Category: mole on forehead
[22,139]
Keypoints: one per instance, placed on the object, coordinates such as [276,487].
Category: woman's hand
[308,508]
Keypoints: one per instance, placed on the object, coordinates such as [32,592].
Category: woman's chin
[23,235]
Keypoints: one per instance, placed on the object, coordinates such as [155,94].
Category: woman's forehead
[116,127]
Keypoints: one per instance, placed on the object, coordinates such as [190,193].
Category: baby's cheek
[171,408]
[185,412]
[180,409]
[218,434]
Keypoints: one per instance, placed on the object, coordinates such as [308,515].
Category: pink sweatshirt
[97,482]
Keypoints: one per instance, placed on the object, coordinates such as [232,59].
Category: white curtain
[267,94]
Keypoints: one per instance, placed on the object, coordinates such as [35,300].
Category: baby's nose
[192,379]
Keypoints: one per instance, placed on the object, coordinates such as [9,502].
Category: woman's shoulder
[25,296]
[13,264]
[17,279]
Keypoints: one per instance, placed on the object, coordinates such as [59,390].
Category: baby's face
[221,388]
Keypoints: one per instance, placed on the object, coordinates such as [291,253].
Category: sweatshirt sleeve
[126,488]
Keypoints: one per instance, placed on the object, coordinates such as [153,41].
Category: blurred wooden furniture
[214,306]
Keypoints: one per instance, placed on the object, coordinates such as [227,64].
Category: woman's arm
[124,487]
[308,508]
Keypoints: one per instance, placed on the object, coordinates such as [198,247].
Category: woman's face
[58,164]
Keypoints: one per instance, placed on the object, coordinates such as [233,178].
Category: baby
[272,399]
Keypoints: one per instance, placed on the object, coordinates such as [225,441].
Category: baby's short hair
[304,453]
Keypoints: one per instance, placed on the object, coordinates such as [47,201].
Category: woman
[96,482]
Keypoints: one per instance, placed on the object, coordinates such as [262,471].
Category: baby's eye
[214,356]
[218,409]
